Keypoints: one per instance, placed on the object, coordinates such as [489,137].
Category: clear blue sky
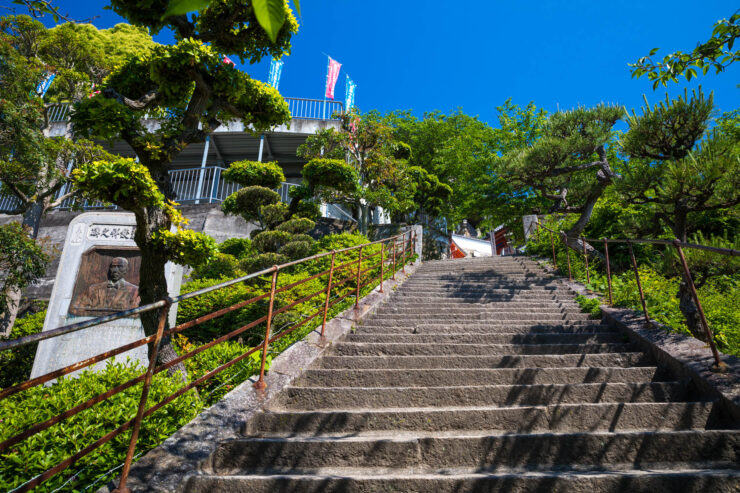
[427,55]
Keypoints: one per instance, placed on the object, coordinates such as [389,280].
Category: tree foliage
[715,53]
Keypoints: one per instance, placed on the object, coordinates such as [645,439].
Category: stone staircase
[481,375]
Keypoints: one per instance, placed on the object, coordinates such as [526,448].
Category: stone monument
[98,275]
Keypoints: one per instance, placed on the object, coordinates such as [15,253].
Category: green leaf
[271,16]
[297,6]
[180,7]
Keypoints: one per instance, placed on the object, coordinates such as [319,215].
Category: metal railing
[300,108]
[719,366]
[393,254]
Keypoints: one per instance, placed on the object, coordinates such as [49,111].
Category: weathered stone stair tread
[503,361]
[481,449]
[426,377]
[324,398]
[362,348]
[515,419]
[506,338]
[512,328]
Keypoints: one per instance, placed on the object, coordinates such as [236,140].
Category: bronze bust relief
[112,295]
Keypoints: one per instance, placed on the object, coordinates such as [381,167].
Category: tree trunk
[32,217]
[7,318]
[152,281]
[574,232]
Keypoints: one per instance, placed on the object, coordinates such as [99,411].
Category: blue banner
[44,85]
[349,94]
[276,69]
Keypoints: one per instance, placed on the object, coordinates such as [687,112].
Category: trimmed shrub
[298,225]
[271,241]
[296,249]
[247,202]
[39,452]
[253,173]
[306,208]
[237,247]
[222,266]
[262,261]
[15,364]
[303,238]
[215,300]
[274,214]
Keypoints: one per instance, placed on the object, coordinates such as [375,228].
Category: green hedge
[15,364]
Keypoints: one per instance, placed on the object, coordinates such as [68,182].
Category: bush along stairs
[482,375]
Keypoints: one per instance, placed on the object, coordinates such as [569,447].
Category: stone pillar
[530,225]
[419,230]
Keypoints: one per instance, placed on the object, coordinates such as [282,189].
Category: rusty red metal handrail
[407,240]
[718,366]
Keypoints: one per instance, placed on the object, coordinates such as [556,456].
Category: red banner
[332,74]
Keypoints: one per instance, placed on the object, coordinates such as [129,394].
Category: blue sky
[433,55]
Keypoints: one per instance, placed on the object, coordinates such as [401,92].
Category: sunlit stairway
[482,375]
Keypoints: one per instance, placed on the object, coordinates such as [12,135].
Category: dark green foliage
[591,306]
[15,364]
[296,249]
[262,261]
[237,247]
[303,237]
[306,208]
[22,260]
[274,214]
[271,241]
[215,300]
[34,455]
[668,130]
[247,202]
[223,266]
[297,225]
[330,173]
[254,173]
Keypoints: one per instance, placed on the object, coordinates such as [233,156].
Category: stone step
[369,349]
[646,416]
[517,327]
[529,297]
[498,338]
[366,480]
[426,377]
[433,308]
[611,360]
[317,398]
[484,289]
[720,448]
[501,318]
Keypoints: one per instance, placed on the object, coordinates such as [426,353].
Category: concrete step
[426,377]
[498,338]
[515,327]
[434,309]
[366,480]
[388,349]
[317,398]
[501,319]
[611,360]
[646,416]
[482,450]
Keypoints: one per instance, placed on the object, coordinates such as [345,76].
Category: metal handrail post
[394,259]
[719,366]
[382,270]
[328,291]
[567,254]
[359,269]
[552,244]
[122,488]
[585,258]
[608,271]
[260,383]
[403,253]
[639,285]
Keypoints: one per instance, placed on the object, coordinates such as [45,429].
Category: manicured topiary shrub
[297,225]
[332,173]
[271,241]
[253,173]
[274,214]
[223,266]
[237,247]
[247,202]
[296,249]
[262,261]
